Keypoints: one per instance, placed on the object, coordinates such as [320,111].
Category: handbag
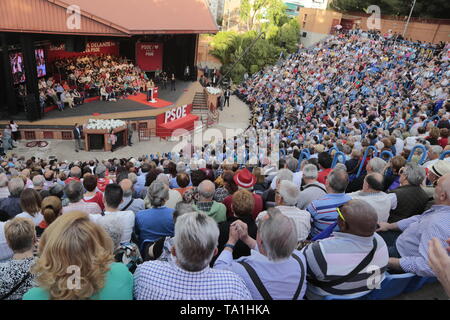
[16,287]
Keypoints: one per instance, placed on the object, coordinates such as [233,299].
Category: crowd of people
[107,76]
[175,226]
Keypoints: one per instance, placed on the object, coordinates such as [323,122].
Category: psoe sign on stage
[175,114]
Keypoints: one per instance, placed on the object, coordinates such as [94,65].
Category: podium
[98,140]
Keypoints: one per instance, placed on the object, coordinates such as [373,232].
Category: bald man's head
[360,218]
[127,187]
[442,190]
[206,190]
[75,172]
[373,182]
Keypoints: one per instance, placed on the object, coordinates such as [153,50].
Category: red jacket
[98,198]
[322,176]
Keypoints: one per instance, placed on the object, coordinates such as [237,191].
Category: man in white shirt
[372,193]
[286,197]
[112,199]
[291,164]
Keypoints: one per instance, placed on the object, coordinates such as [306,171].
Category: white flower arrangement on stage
[212,90]
[101,124]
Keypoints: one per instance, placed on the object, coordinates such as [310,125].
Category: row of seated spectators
[88,76]
[156,229]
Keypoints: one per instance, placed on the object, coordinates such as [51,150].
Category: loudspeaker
[75,44]
[304,35]
[80,45]
[31,108]
[70,44]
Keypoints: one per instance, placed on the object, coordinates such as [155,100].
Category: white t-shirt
[127,220]
[14,127]
[38,217]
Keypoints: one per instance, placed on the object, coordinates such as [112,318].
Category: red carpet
[142,98]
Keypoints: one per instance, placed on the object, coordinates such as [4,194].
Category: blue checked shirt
[418,230]
[158,280]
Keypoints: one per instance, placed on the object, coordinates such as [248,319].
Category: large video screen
[18,69]
[40,62]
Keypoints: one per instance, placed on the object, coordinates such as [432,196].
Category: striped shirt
[87,207]
[302,219]
[158,280]
[338,256]
[323,211]
[418,230]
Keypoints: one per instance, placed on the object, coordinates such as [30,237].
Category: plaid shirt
[157,280]
[205,206]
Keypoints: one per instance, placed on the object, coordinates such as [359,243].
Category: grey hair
[289,191]
[113,226]
[310,171]
[278,234]
[128,193]
[340,166]
[397,133]
[15,186]
[338,180]
[181,167]
[377,164]
[162,177]
[414,173]
[3,180]
[158,193]
[74,191]
[180,209]
[196,237]
[206,189]
[285,174]
[292,164]
[436,149]
[38,181]
[132,177]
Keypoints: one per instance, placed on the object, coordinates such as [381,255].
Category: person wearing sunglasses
[352,260]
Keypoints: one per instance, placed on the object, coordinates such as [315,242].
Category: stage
[131,108]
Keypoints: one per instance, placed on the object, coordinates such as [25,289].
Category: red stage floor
[142,98]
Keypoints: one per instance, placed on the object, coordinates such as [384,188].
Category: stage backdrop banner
[149,56]
[94,48]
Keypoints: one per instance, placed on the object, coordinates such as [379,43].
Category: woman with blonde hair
[76,263]
[51,208]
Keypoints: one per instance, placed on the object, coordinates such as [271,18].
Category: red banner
[149,56]
[92,48]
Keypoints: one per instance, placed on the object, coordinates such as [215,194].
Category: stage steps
[200,107]
[199,104]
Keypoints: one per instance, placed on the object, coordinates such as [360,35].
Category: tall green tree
[253,12]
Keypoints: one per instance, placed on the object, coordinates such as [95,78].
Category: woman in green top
[76,263]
